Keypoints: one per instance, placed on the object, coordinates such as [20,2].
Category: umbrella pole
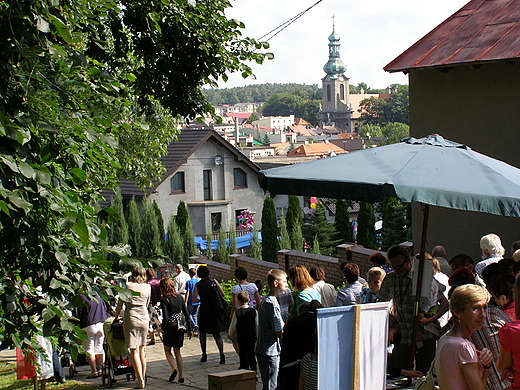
[420,271]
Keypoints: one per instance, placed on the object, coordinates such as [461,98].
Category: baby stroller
[117,359]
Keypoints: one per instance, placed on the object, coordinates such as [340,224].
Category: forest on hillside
[256,93]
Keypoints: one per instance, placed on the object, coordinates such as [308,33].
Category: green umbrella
[430,170]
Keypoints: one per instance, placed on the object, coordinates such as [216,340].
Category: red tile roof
[482,30]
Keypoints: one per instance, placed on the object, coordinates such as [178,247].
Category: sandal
[93,375]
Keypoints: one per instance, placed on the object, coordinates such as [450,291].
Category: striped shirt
[269,322]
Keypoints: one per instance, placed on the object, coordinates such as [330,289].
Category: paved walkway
[195,373]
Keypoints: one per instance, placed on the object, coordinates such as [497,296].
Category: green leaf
[61,28]
[61,257]
[26,169]
[79,174]
[55,284]
[19,202]
[131,77]
[4,207]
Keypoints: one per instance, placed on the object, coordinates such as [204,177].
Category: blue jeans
[193,311]
[268,367]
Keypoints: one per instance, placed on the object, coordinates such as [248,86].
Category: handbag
[427,382]
[218,302]
[178,321]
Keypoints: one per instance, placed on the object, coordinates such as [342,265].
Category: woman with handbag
[210,295]
[174,324]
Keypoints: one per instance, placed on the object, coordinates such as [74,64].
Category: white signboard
[352,343]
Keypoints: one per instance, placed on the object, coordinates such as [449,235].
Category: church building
[336,108]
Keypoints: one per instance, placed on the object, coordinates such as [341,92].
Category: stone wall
[256,269]
[217,270]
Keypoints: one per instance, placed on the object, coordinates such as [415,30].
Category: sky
[373,33]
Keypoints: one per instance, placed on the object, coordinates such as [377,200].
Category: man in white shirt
[180,280]
[492,252]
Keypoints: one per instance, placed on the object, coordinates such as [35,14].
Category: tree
[151,243]
[379,112]
[316,245]
[266,140]
[118,230]
[294,222]
[394,132]
[321,228]
[394,223]
[342,223]
[232,247]
[183,221]
[209,246]
[285,239]
[134,228]
[255,247]
[269,231]
[253,117]
[222,251]
[297,103]
[160,221]
[371,131]
[91,91]
[366,235]
[175,244]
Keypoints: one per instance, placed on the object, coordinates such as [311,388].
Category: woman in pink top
[509,359]
[458,364]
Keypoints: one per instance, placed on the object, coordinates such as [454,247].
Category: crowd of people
[467,328]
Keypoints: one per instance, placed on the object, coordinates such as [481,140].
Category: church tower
[336,108]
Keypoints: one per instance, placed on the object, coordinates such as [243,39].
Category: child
[501,288]
[270,325]
[375,278]
[243,329]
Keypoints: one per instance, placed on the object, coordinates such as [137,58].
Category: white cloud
[373,33]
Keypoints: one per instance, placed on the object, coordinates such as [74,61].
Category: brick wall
[257,269]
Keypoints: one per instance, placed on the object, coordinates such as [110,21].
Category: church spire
[334,66]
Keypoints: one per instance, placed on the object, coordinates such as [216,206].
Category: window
[177,182]
[328,93]
[206,175]
[342,92]
[240,178]
[216,221]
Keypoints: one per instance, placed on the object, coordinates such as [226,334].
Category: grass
[8,381]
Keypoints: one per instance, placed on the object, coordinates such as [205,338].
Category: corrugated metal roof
[178,153]
[482,30]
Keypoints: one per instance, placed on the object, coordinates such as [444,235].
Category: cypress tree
[321,228]
[342,223]
[285,241]
[296,236]
[160,225]
[255,248]
[294,222]
[222,250]
[118,233]
[366,232]
[134,228]
[209,248]
[269,231]
[394,224]
[232,246]
[174,244]
[316,246]
[183,221]
[150,240]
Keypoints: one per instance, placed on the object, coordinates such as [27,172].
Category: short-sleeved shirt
[509,335]
[307,295]
[452,354]
[350,294]
[250,288]
[190,284]
[269,322]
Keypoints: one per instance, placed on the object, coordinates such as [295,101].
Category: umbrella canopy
[429,170]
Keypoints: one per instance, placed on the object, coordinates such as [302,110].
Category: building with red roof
[464,80]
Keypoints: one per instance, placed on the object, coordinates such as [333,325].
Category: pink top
[509,335]
[452,353]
